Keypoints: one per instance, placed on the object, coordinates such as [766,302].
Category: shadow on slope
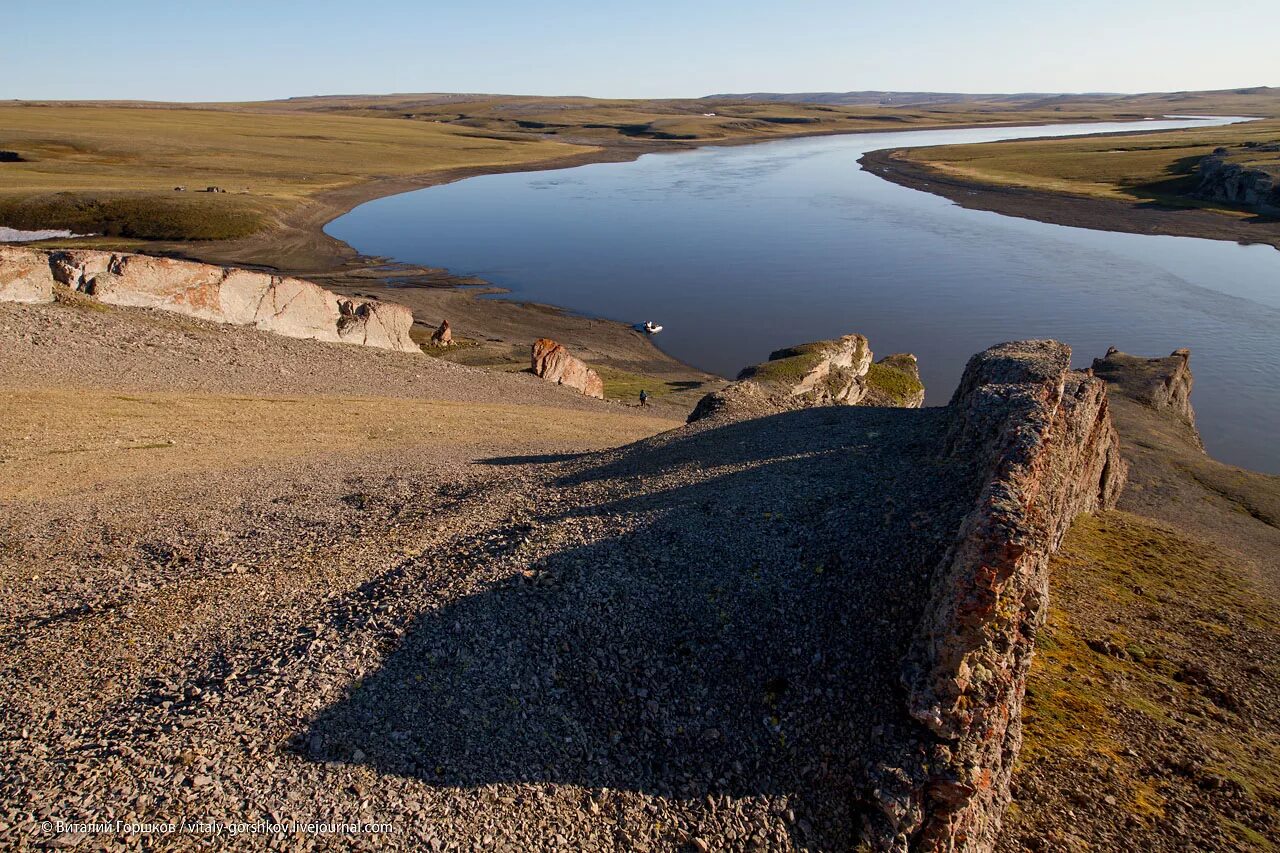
[709,612]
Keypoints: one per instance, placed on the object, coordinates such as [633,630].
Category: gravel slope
[498,643]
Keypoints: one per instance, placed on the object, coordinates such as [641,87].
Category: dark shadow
[1175,193]
[539,459]
[725,615]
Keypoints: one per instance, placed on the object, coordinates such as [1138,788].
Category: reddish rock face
[1042,439]
[443,336]
[286,306]
[552,362]
[24,276]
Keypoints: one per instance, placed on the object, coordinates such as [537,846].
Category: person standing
[644,398]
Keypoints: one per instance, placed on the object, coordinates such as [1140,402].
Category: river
[741,250]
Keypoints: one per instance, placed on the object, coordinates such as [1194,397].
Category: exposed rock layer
[552,362]
[1047,450]
[822,373]
[1162,383]
[24,276]
[286,306]
[1237,183]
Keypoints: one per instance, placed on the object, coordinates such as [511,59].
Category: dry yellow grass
[57,442]
[111,168]
[271,154]
[114,169]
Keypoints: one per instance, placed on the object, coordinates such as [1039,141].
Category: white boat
[649,328]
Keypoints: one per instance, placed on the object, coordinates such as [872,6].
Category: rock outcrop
[25,276]
[1222,179]
[822,373]
[1047,451]
[552,362]
[443,336]
[894,381]
[1162,383]
[285,306]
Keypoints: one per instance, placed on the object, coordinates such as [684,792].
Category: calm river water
[741,250]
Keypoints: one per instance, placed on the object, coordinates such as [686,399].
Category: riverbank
[495,332]
[1130,183]
[298,180]
[498,330]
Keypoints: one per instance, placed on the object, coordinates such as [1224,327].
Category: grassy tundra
[111,168]
[1157,167]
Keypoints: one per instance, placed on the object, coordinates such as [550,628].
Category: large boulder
[25,275]
[821,373]
[552,362]
[443,336]
[1223,179]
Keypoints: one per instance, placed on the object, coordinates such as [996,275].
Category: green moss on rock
[894,383]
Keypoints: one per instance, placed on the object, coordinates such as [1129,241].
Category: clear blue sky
[236,50]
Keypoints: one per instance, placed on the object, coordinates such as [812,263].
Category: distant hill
[896,99]
[1258,99]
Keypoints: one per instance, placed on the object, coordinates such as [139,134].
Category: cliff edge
[837,372]
[286,306]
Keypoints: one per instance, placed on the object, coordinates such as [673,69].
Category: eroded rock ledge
[285,306]
[1224,179]
[1042,438]
[1163,384]
[822,373]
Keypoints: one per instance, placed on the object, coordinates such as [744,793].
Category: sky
[222,50]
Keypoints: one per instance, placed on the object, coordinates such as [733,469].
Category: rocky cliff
[822,373]
[1161,383]
[285,306]
[1224,179]
[1046,451]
